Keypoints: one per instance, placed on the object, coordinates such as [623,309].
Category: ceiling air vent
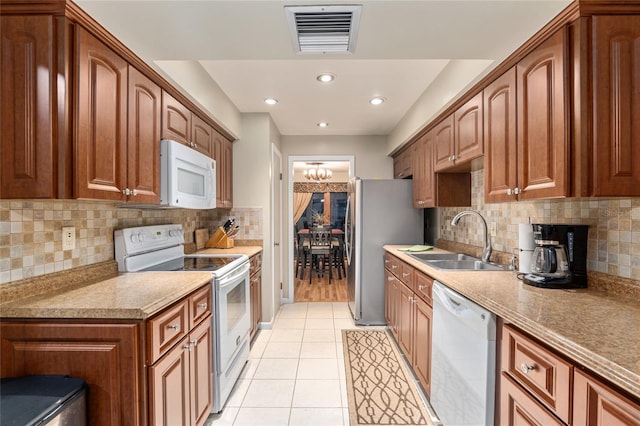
[323,29]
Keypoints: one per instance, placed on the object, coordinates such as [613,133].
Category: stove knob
[140,236]
[134,238]
[172,233]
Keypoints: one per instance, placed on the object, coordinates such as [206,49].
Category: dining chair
[320,250]
[302,254]
[337,254]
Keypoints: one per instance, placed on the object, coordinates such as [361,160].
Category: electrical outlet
[493,229]
[68,238]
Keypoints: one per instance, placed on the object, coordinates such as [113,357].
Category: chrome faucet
[486,251]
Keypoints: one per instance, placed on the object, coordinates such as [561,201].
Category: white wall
[453,81]
[252,187]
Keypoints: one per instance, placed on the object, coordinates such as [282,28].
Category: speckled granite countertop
[128,296]
[598,331]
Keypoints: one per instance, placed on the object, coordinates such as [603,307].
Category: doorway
[313,203]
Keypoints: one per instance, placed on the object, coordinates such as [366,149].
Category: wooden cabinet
[180,359]
[113,160]
[459,137]
[101,128]
[180,383]
[181,125]
[223,154]
[255,280]
[500,155]
[616,105]
[596,404]
[143,141]
[402,165]
[107,356]
[527,148]
[539,387]
[155,371]
[423,174]
[409,314]
[29,165]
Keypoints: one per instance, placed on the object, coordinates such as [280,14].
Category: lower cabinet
[180,390]
[540,387]
[255,282]
[409,315]
[156,371]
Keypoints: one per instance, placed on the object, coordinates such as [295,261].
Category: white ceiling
[246,49]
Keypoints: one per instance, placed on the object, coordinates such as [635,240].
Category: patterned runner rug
[377,382]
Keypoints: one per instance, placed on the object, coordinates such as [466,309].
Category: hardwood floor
[320,290]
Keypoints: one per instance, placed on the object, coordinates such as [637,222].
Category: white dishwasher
[463,360]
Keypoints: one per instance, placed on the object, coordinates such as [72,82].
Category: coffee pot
[549,259]
[559,258]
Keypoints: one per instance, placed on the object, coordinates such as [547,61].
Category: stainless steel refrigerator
[379,212]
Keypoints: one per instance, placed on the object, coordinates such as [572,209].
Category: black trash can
[43,400]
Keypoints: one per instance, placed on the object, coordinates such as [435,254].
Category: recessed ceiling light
[377,100]
[323,124]
[326,77]
[270,101]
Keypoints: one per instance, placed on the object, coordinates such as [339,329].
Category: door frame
[276,232]
[303,158]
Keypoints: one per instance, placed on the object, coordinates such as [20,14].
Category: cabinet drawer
[393,264]
[423,285]
[255,262]
[200,305]
[541,372]
[519,408]
[407,274]
[166,329]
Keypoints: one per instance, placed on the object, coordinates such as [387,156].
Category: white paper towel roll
[525,237]
[524,261]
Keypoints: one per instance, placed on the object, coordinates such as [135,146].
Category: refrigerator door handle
[348,235]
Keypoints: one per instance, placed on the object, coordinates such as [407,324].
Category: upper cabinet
[223,154]
[459,137]
[402,164]
[616,105]
[525,131]
[27,109]
[181,125]
[423,175]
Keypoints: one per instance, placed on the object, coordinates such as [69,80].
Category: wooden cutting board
[202,236]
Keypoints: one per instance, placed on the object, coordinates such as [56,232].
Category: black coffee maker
[560,256]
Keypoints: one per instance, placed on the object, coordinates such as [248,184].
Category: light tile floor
[295,375]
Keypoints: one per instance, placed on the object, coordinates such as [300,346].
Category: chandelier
[318,173]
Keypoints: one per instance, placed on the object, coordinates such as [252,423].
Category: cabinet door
[616,105]
[107,356]
[543,160]
[423,317]
[27,107]
[468,135]
[518,408]
[256,301]
[500,138]
[169,388]
[101,145]
[391,301]
[143,153]
[201,369]
[176,120]
[402,166]
[201,136]
[423,177]
[404,318]
[596,404]
[443,144]
[227,173]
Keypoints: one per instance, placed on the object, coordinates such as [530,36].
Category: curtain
[300,202]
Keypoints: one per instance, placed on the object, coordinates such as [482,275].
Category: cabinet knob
[187,347]
[202,305]
[517,191]
[526,368]
[194,343]
[126,191]
[509,191]
[134,192]
[394,266]
[421,287]
[174,327]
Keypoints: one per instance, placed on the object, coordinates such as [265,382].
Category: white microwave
[187,177]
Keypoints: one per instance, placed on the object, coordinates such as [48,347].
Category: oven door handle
[230,278]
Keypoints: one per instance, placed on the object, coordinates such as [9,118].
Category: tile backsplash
[614,226]
[31,231]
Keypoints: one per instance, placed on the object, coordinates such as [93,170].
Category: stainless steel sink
[455,261]
[465,265]
[429,257]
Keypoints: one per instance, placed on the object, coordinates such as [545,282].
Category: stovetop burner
[195,263]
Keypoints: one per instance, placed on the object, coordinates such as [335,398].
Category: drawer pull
[394,266]
[174,327]
[187,347]
[421,287]
[405,274]
[202,305]
[526,368]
